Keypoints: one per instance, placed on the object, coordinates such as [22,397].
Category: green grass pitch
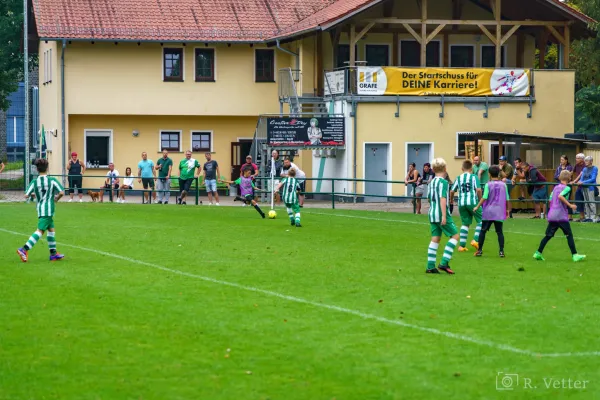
[215,303]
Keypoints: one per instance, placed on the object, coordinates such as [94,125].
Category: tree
[587,105]
[11,57]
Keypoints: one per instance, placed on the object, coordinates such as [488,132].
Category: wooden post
[352,45]
[520,50]
[500,148]
[423,33]
[395,49]
[542,42]
[319,67]
[445,50]
[334,35]
[567,47]
[497,14]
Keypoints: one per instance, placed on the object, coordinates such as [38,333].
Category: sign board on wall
[380,81]
[335,82]
[309,133]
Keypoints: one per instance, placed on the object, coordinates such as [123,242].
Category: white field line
[359,314]
[540,235]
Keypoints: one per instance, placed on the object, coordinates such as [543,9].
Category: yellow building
[198,75]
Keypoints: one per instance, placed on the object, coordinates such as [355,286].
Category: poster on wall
[381,81]
[308,133]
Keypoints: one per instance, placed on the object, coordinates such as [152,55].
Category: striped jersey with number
[290,196]
[44,188]
[438,189]
[466,185]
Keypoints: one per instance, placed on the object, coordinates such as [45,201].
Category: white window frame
[462,45]
[15,129]
[50,66]
[504,51]
[389,46]
[98,133]
[274,65]
[439,42]
[389,166]
[203,132]
[457,147]
[161,131]
[214,49]
[162,63]
[45,77]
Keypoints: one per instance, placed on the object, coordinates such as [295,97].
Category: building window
[410,53]
[205,65]
[460,144]
[488,56]
[47,78]
[173,65]
[98,147]
[265,65]
[202,141]
[170,140]
[377,54]
[342,53]
[462,56]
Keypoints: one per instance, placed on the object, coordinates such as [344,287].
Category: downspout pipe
[62,107]
[297,55]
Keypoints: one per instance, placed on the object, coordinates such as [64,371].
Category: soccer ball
[272,214]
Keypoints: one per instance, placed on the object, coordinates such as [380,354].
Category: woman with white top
[127,184]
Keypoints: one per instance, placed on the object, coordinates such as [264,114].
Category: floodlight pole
[26,162]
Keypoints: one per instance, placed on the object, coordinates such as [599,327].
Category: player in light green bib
[469,192]
[289,196]
[440,220]
[47,191]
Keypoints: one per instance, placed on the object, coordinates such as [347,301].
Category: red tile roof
[196,20]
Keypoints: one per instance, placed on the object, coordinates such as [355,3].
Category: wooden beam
[413,32]
[520,50]
[542,43]
[334,35]
[567,47]
[487,22]
[445,48]
[319,65]
[497,15]
[395,49]
[364,31]
[423,33]
[488,34]
[352,45]
[457,6]
[388,11]
[556,34]
[500,148]
[435,32]
[493,8]
[509,34]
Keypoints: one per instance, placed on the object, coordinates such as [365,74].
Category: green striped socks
[464,233]
[32,241]
[432,255]
[297,218]
[450,246]
[52,242]
[477,232]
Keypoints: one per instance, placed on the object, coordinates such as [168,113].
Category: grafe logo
[368,79]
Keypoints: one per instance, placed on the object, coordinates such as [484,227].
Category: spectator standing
[540,191]
[250,164]
[146,176]
[187,174]
[422,183]
[211,174]
[127,184]
[577,170]
[563,166]
[506,174]
[276,161]
[519,175]
[76,170]
[164,166]
[588,177]
[480,168]
[412,176]
[111,183]
[300,176]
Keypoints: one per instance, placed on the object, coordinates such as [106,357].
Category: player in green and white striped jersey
[289,196]
[47,191]
[440,220]
[469,192]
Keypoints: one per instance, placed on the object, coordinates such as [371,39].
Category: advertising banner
[306,132]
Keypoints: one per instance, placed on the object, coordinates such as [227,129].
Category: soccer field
[215,303]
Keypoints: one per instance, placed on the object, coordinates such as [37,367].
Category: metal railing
[287,90]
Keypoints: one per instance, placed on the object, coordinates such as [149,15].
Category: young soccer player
[47,191]
[290,186]
[246,185]
[440,220]
[558,217]
[495,209]
[469,192]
